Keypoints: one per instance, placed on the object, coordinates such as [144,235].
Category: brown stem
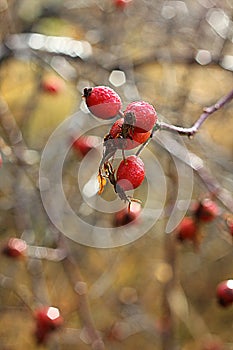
[206,113]
[19,290]
[83,307]
[170,257]
[12,131]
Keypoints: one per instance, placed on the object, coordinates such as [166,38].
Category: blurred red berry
[128,214]
[0,160]
[130,173]
[213,343]
[52,85]
[84,144]
[230,226]
[206,210]
[187,229]
[132,139]
[15,248]
[121,4]
[102,101]
[48,319]
[141,115]
[224,292]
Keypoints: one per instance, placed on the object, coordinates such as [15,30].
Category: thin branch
[12,131]
[81,289]
[20,291]
[197,164]
[196,126]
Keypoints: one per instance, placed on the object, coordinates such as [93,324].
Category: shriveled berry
[206,210]
[130,173]
[48,319]
[224,292]
[15,248]
[130,139]
[102,101]
[141,115]
[128,214]
[84,144]
[187,229]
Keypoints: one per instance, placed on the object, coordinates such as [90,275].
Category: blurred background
[155,293]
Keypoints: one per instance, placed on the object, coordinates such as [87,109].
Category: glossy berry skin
[15,248]
[85,144]
[224,292]
[133,138]
[206,210]
[127,215]
[130,173]
[187,229]
[102,101]
[48,319]
[143,115]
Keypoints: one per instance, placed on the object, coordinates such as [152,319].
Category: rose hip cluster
[133,128]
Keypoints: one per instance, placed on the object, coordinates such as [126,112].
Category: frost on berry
[102,101]
[224,292]
[130,173]
[141,115]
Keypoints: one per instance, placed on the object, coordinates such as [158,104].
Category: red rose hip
[142,115]
[187,229]
[48,319]
[206,210]
[102,101]
[130,173]
[15,248]
[224,292]
[132,139]
[52,85]
[229,223]
[122,4]
[85,144]
[127,215]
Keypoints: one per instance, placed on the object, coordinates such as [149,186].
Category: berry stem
[121,114]
[207,111]
[141,148]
